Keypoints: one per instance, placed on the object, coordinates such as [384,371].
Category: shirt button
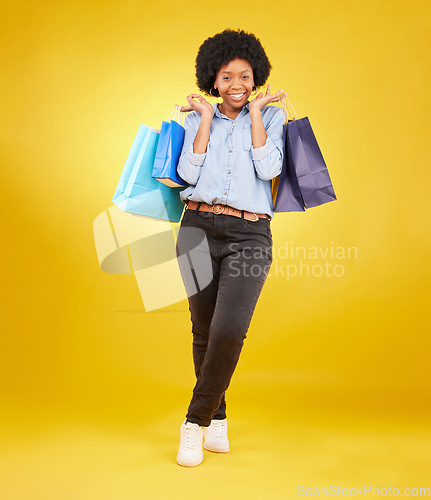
[229,172]
[230,151]
[225,192]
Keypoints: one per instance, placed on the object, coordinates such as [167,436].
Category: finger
[191,98]
[275,97]
[185,109]
[268,90]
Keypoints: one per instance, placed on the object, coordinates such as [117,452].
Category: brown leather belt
[226,210]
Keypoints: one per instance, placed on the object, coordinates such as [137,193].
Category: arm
[196,138]
[267,150]
[201,141]
[258,132]
[268,158]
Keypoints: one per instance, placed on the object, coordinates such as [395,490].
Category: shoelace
[218,428]
[191,437]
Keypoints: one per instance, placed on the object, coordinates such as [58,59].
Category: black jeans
[235,261]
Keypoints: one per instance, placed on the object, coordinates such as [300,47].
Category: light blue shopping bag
[137,191]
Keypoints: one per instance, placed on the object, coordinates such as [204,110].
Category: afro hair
[219,50]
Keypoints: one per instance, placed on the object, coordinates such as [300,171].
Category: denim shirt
[232,172]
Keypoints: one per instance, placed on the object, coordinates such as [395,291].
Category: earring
[215,90]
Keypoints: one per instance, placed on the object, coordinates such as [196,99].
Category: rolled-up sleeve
[190,164]
[268,158]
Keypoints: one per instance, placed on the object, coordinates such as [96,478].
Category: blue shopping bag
[169,150]
[137,191]
[304,181]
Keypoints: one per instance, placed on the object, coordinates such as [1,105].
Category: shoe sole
[216,450]
[185,463]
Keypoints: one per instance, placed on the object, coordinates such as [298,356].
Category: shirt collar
[220,115]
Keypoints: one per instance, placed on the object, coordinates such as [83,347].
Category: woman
[231,152]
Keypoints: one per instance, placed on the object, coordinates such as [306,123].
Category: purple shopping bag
[304,181]
[285,188]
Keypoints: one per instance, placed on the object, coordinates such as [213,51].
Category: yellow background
[332,387]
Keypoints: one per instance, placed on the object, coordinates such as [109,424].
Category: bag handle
[286,111]
[177,115]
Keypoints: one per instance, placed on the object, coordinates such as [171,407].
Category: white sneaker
[216,436]
[190,452]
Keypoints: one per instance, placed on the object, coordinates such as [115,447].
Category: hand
[201,105]
[262,100]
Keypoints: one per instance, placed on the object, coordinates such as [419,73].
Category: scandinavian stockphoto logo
[168,267]
[298,261]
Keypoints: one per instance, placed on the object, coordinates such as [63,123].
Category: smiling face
[234,82]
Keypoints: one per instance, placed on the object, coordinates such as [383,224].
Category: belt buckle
[256,219]
[218,205]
